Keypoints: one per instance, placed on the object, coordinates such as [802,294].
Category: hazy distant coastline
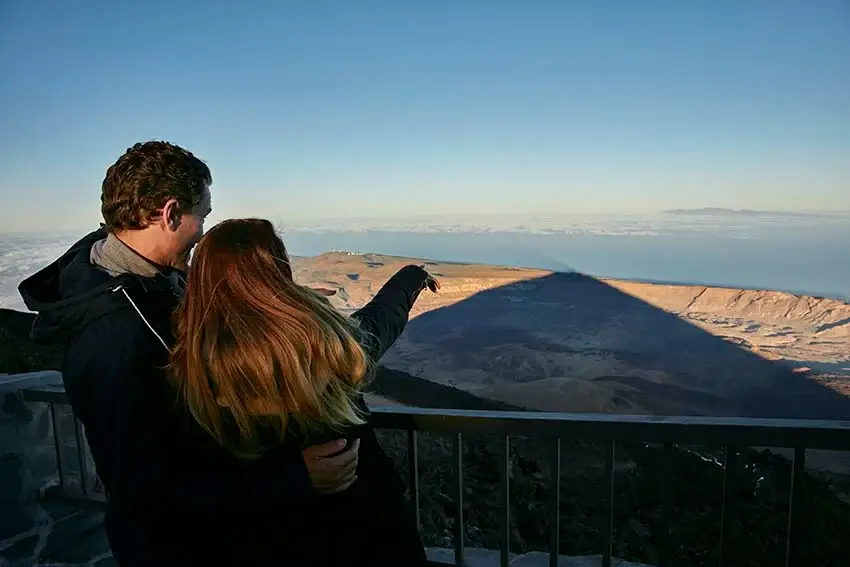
[720,211]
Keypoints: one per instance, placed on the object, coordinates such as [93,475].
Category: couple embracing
[222,401]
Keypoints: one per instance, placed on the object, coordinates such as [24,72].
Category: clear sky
[392,108]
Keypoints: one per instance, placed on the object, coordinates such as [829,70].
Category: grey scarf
[116,258]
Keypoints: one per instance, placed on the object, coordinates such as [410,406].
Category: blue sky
[359,109]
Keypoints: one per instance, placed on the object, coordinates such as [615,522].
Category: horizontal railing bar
[754,432]
[742,431]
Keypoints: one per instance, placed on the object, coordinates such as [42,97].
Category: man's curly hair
[145,178]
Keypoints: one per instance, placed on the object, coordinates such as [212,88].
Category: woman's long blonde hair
[254,350]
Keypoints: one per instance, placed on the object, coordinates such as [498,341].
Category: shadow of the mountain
[570,342]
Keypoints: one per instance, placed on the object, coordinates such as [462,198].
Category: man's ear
[171,214]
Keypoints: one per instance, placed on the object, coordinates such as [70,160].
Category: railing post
[81,457]
[458,527]
[728,464]
[413,474]
[608,525]
[506,500]
[555,506]
[665,557]
[795,509]
[57,441]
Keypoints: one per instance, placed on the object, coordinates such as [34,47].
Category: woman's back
[268,368]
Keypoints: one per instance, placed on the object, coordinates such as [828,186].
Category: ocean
[805,253]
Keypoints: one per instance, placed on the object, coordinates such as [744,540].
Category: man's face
[190,230]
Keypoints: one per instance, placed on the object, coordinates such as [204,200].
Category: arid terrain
[569,342]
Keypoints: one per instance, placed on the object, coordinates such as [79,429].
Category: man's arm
[384,318]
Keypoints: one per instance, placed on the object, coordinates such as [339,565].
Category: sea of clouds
[741,224]
[22,254]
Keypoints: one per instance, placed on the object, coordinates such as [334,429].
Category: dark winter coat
[175,496]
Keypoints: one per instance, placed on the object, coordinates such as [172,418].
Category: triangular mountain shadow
[573,340]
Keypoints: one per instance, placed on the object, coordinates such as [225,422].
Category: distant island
[720,211]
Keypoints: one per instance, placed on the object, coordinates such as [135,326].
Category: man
[109,300]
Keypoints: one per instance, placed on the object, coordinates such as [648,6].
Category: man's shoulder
[120,322]
[142,325]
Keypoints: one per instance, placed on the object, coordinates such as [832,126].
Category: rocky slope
[568,342]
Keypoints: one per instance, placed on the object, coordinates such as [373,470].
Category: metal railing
[729,433]
[90,492]
[611,429]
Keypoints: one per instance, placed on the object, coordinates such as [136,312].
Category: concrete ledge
[16,382]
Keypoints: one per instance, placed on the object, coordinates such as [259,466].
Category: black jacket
[175,496]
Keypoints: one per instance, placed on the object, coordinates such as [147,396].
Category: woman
[268,368]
